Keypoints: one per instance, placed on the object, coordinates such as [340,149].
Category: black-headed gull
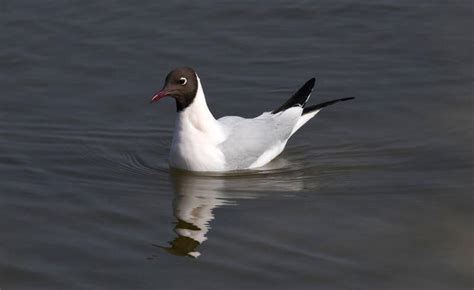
[202,143]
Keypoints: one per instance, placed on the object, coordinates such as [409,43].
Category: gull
[205,144]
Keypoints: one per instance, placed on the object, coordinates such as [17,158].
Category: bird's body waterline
[202,143]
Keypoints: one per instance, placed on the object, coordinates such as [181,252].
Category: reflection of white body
[194,205]
[197,196]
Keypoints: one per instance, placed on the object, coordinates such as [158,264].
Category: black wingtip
[299,98]
[306,89]
[325,104]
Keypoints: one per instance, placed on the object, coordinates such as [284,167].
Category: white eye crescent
[183,81]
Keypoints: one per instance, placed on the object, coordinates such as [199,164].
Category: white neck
[197,113]
[196,137]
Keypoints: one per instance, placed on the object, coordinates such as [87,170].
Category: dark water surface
[374,193]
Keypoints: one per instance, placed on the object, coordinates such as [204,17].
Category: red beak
[158,96]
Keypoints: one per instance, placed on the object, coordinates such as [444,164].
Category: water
[374,193]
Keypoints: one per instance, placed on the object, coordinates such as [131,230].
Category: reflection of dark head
[182,246]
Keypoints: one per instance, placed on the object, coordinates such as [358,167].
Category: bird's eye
[183,81]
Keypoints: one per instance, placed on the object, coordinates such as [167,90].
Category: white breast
[196,136]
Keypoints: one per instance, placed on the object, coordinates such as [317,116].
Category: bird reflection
[195,198]
[197,195]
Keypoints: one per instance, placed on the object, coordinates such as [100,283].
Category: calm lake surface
[374,193]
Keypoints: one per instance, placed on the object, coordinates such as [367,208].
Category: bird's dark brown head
[182,85]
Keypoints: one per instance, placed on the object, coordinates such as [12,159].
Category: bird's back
[251,142]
